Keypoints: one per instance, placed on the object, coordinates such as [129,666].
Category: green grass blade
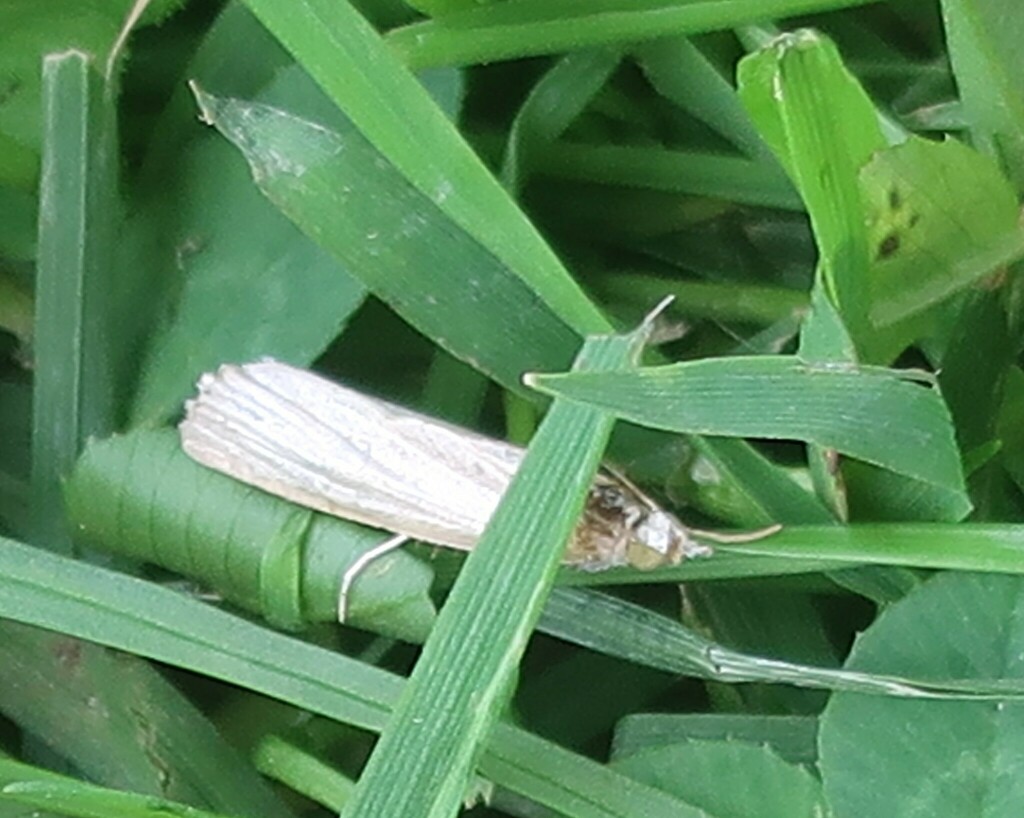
[783,397]
[462,679]
[338,189]
[70,797]
[89,705]
[794,738]
[636,634]
[732,178]
[76,214]
[981,547]
[125,613]
[823,127]
[302,772]
[554,102]
[681,72]
[361,75]
[945,762]
[726,302]
[81,353]
[771,492]
[504,31]
[984,48]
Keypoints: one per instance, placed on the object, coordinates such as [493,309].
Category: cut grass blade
[782,397]
[77,212]
[822,127]
[82,352]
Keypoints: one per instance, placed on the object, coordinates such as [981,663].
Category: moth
[299,436]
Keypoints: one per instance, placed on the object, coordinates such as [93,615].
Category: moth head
[660,539]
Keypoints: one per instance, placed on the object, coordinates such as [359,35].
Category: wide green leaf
[729,778]
[945,759]
[940,216]
[464,675]
[230,246]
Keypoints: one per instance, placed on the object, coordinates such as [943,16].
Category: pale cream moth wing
[319,444]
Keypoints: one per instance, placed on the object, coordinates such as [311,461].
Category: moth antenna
[744,536]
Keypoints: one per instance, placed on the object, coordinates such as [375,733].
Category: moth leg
[356,568]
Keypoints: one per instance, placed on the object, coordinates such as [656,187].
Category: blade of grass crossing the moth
[125,613]
[128,614]
[460,684]
[967,547]
[361,74]
[803,549]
